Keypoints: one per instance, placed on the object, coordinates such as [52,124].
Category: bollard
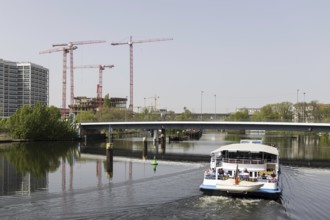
[145,149]
[109,157]
[163,142]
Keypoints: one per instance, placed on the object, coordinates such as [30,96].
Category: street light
[202,105]
[297,105]
[215,106]
[126,109]
[304,109]
[297,95]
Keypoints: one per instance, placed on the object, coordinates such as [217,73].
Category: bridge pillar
[145,148]
[163,141]
[156,135]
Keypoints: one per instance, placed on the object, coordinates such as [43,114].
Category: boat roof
[247,147]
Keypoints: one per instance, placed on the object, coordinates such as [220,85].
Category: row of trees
[286,112]
[40,122]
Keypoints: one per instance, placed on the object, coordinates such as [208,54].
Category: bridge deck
[227,125]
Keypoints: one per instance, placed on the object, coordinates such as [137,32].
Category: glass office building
[22,83]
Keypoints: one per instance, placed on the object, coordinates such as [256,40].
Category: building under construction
[83,103]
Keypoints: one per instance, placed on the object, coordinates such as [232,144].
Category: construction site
[81,103]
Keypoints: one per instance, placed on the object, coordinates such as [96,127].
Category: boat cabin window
[243,155]
[270,158]
[251,141]
[266,157]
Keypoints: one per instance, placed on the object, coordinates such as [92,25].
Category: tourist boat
[248,168]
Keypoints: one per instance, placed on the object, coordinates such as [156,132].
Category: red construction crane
[130,43]
[65,51]
[70,47]
[99,85]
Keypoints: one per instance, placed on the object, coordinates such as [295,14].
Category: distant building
[22,83]
[251,111]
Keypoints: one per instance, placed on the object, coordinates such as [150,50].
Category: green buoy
[154,161]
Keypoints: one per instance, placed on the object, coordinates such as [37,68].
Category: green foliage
[3,124]
[185,116]
[111,114]
[170,116]
[319,112]
[239,116]
[106,101]
[284,111]
[147,115]
[266,113]
[274,112]
[86,116]
[39,122]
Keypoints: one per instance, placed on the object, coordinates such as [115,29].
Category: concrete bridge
[226,125]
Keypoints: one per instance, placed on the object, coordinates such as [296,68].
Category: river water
[57,181]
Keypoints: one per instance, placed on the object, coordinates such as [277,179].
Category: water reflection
[291,147]
[24,166]
[54,166]
[302,147]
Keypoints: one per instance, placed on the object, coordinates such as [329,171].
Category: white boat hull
[243,186]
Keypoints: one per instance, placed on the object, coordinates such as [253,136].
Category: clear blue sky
[248,53]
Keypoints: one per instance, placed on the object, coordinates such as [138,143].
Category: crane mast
[130,43]
[65,50]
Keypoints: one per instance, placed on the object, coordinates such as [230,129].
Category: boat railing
[250,179]
[247,161]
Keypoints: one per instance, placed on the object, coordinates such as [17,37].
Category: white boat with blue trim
[248,168]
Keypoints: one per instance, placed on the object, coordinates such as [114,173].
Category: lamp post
[297,96]
[126,110]
[304,109]
[202,105]
[297,105]
[215,106]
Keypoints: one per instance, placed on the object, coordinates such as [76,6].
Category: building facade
[22,84]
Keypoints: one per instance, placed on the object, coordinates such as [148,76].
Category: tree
[284,110]
[106,101]
[86,116]
[186,115]
[274,112]
[239,116]
[39,122]
[110,114]
[266,113]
